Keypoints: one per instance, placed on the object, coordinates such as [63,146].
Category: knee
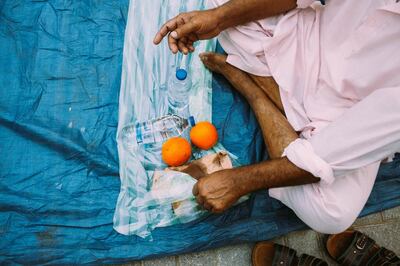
[387,96]
[327,215]
[333,222]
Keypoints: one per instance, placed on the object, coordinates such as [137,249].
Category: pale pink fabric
[338,69]
[304,3]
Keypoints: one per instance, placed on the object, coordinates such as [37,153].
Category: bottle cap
[181,74]
[192,123]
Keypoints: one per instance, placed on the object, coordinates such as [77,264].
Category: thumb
[195,190]
[183,30]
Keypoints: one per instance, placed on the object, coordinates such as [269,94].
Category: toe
[204,56]
[213,61]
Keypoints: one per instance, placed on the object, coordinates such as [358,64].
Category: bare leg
[270,88]
[219,190]
[277,131]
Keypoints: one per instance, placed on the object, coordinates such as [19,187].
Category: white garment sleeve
[366,133]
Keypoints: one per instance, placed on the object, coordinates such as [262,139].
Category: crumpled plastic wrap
[174,185]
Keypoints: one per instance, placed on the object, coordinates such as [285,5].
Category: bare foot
[238,78]
[214,62]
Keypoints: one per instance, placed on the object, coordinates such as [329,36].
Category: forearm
[269,174]
[237,12]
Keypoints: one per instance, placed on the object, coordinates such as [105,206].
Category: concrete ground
[384,227]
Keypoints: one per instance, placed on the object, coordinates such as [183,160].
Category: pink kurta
[338,70]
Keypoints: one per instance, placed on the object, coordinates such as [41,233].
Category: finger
[200,200]
[180,22]
[193,37]
[216,206]
[182,41]
[169,26]
[172,43]
[190,46]
[184,30]
[215,210]
[207,206]
[195,190]
[182,46]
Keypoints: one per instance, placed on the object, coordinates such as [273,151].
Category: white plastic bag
[144,203]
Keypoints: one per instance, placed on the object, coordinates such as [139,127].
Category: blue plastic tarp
[60,68]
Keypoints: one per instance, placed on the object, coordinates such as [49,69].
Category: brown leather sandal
[352,248]
[271,254]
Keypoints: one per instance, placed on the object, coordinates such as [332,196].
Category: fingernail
[174,34]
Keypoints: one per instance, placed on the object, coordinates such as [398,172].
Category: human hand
[187,28]
[216,192]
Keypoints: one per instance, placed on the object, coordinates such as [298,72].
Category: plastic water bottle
[155,131]
[179,85]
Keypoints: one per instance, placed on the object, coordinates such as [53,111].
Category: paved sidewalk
[384,227]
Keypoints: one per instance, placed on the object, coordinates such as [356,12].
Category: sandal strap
[283,256]
[308,260]
[356,253]
[383,257]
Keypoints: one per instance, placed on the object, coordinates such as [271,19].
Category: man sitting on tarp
[324,84]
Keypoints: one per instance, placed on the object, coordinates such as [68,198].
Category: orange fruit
[176,151]
[204,135]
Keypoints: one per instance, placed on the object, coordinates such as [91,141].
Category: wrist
[219,15]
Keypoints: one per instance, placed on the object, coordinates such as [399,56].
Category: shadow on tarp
[60,68]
